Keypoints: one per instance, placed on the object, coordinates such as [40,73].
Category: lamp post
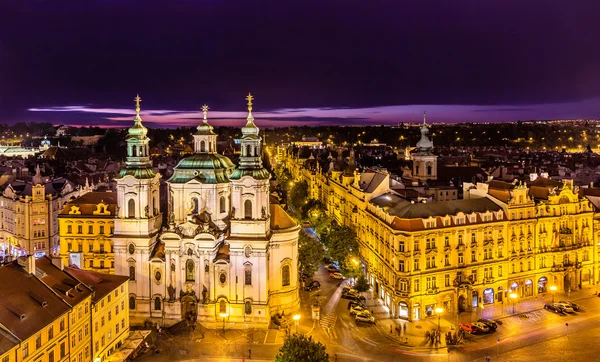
[224,315]
[439,312]
[514,297]
[553,290]
[296,319]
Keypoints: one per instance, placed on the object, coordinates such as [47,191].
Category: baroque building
[459,255]
[226,253]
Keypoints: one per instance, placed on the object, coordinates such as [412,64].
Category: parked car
[356,309]
[490,323]
[336,275]
[553,308]
[575,307]
[480,328]
[467,327]
[312,286]
[357,298]
[565,307]
[364,317]
[353,303]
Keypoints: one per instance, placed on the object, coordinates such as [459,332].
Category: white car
[356,309]
[566,307]
[365,317]
[336,275]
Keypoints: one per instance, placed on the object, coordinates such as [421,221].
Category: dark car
[554,308]
[490,323]
[312,286]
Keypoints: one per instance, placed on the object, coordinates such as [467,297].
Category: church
[226,255]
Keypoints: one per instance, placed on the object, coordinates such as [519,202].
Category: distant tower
[424,161]
[205,140]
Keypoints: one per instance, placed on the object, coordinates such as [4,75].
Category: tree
[341,241]
[310,253]
[350,267]
[299,194]
[362,284]
[298,347]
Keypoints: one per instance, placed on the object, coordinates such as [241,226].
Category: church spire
[424,118]
[205,140]
[250,127]
[138,162]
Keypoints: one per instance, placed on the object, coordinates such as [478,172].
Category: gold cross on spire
[137,103]
[205,110]
[424,117]
[249,98]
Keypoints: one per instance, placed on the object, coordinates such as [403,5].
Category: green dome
[205,129]
[204,161]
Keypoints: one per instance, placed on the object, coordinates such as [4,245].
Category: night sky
[313,62]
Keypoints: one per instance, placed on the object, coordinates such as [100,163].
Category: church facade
[226,255]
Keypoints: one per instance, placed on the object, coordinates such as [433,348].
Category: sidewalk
[414,335]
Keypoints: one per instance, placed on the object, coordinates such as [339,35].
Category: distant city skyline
[310,62]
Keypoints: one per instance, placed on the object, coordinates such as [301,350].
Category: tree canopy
[310,253]
[362,284]
[298,195]
[298,347]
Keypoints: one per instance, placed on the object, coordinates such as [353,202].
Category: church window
[134,151]
[195,202]
[189,270]
[248,276]
[429,170]
[248,209]
[131,248]
[222,307]
[248,151]
[202,146]
[132,272]
[248,307]
[157,303]
[222,204]
[285,275]
[131,209]
[222,277]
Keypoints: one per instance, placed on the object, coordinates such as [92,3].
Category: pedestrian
[249,353]
[336,357]
[391,330]
[405,327]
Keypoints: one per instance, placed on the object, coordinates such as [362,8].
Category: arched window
[248,209]
[210,149]
[248,307]
[429,170]
[202,145]
[416,168]
[189,270]
[195,202]
[157,303]
[131,209]
[248,150]
[131,302]
[285,275]
[134,151]
[132,272]
[222,307]
[222,204]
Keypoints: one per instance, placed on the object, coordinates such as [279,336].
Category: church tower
[205,140]
[250,184]
[138,211]
[424,161]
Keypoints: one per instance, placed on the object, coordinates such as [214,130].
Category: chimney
[59,263]
[28,263]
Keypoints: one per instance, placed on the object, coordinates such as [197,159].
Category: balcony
[461,247]
[401,293]
[433,290]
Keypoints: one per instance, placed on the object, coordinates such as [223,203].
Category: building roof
[206,168]
[68,288]
[397,206]
[139,173]
[257,174]
[280,219]
[87,204]
[27,305]
[370,181]
[101,284]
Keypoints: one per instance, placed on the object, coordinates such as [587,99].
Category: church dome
[204,161]
[138,129]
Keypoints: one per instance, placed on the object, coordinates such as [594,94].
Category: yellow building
[464,254]
[86,226]
[109,310]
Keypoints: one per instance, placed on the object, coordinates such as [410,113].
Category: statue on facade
[117,211]
[204,294]
[172,218]
[264,212]
[147,211]
[171,290]
[233,212]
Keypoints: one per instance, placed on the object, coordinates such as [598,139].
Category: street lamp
[296,319]
[553,290]
[514,297]
[224,315]
[439,312]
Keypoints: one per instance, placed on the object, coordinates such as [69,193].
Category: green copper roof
[205,129]
[205,161]
[203,176]
[259,174]
[140,173]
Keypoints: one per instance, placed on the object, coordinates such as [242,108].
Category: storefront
[429,310]
[499,295]
[542,285]
[416,312]
[488,296]
[475,302]
[528,290]
[403,310]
